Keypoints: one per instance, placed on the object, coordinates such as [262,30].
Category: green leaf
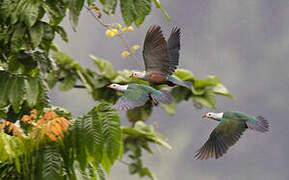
[104,66]
[111,131]
[75,6]
[32,91]
[62,57]
[68,82]
[36,34]
[208,99]
[209,81]
[170,108]
[222,90]
[51,162]
[141,113]
[17,38]
[109,6]
[31,13]
[146,131]
[142,9]
[135,11]
[5,84]
[106,163]
[61,32]
[17,92]
[184,75]
[127,11]
[181,93]
[94,136]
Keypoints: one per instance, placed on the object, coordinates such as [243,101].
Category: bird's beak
[131,74]
[205,115]
[109,86]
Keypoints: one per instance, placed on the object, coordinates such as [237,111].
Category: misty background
[244,43]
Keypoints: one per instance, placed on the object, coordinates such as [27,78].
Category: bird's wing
[225,135]
[155,52]
[174,47]
[131,98]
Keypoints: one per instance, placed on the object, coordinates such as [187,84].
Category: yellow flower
[115,31]
[125,53]
[130,28]
[118,26]
[123,30]
[135,47]
[111,32]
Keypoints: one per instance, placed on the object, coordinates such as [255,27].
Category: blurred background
[244,43]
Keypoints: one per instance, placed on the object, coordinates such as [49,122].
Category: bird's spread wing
[155,52]
[174,47]
[131,98]
[225,135]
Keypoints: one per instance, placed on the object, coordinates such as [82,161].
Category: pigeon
[161,58]
[230,128]
[136,95]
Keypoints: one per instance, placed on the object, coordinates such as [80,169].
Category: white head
[118,87]
[214,116]
[139,75]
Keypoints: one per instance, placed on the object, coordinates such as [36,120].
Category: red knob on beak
[205,115]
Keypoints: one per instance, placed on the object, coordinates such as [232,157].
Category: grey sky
[246,44]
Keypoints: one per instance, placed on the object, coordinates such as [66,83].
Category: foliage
[40,141]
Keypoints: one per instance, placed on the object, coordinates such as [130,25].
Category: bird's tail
[165,97]
[262,124]
[176,81]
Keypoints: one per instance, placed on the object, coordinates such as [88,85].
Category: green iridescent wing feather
[132,97]
[225,135]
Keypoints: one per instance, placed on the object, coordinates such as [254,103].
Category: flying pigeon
[137,95]
[229,130]
[161,57]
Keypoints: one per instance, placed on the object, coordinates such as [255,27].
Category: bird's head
[214,116]
[118,87]
[138,75]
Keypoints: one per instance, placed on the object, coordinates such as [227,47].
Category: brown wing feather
[225,135]
[155,52]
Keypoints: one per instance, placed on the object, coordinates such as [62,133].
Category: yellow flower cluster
[129,28]
[111,32]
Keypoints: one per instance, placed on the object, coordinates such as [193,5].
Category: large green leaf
[111,131]
[104,66]
[209,81]
[52,161]
[75,6]
[184,75]
[17,92]
[62,57]
[208,99]
[32,91]
[36,34]
[222,90]
[68,82]
[127,11]
[5,84]
[134,11]
[142,9]
[30,14]
[17,38]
